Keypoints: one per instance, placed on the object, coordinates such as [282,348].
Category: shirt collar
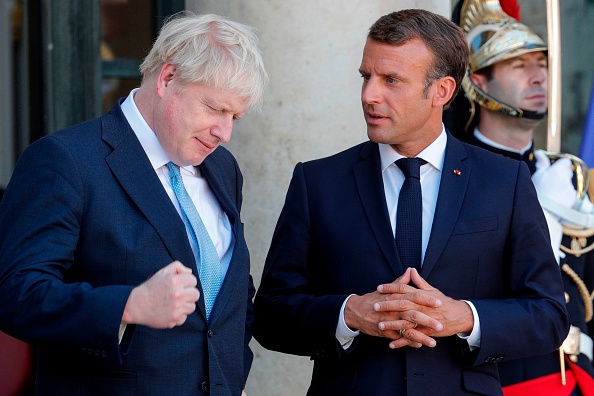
[492,143]
[433,154]
[148,139]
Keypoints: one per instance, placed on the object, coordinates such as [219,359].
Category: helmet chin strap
[476,94]
[531,115]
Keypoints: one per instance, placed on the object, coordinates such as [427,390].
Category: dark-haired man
[339,283]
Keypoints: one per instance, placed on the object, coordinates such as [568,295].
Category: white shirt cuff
[344,335]
[474,338]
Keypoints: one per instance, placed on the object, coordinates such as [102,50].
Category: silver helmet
[493,36]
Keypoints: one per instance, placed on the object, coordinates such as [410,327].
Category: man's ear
[479,80]
[444,90]
[165,78]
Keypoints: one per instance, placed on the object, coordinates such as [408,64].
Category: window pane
[126,28]
[115,88]
[126,36]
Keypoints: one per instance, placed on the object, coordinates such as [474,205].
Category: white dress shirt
[393,179]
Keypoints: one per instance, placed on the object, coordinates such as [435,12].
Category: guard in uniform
[504,98]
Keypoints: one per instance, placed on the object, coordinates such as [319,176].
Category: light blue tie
[209,264]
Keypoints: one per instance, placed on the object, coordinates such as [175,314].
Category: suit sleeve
[289,316]
[248,354]
[40,217]
[532,319]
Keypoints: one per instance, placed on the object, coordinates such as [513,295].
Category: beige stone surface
[312,50]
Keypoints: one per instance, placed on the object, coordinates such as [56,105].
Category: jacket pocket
[481,382]
[476,225]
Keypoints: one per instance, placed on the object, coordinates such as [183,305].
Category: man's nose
[370,91]
[224,128]
[538,74]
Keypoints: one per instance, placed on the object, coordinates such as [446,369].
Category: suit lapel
[211,172]
[211,169]
[368,177]
[133,170]
[452,189]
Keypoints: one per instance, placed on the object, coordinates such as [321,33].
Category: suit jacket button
[495,358]
[204,386]
[210,333]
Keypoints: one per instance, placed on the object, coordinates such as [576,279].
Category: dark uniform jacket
[516,371]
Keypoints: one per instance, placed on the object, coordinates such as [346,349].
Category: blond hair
[211,50]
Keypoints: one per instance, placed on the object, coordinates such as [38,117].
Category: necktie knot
[173,170]
[411,167]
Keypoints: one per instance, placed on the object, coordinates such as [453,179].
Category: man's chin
[534,122]
[375,135]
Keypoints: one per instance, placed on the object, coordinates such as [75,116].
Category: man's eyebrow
[388,75]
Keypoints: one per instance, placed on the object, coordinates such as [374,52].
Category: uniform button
[204,386]
[210,333]
[496,358]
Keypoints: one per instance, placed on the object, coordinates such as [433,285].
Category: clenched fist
[165,300]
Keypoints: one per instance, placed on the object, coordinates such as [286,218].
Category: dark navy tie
[409,224]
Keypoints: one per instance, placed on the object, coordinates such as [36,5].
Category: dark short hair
[444,39]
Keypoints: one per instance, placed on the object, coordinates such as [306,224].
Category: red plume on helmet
[511,8]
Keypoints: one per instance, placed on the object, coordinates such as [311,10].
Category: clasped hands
[409,311]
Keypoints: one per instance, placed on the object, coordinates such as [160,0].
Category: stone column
[312,51]
[7,93]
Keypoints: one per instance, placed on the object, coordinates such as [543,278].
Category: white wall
[312,51]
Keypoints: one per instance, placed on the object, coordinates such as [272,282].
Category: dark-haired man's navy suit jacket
[83,221]
[489,245]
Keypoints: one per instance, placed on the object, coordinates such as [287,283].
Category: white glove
[554,181]
[585,206]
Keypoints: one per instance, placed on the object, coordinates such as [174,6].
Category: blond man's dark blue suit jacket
[83,221]
[489,244]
